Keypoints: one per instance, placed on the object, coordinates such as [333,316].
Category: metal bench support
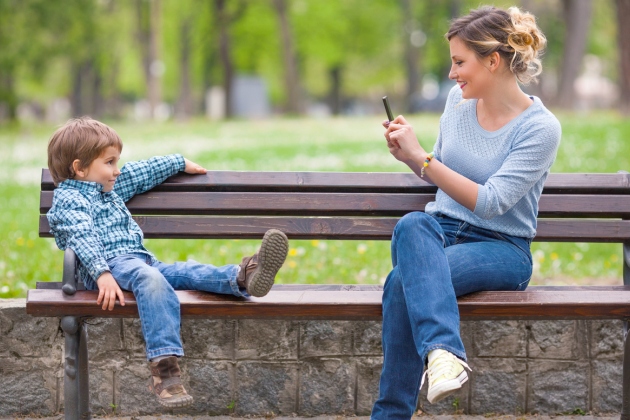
[76,376]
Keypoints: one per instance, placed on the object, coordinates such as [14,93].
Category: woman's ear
[494,60]
[78,169]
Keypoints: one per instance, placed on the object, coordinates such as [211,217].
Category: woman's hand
[402,141]
[193,168]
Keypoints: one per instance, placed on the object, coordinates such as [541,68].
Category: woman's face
[468,70]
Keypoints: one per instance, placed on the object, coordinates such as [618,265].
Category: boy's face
[103,170]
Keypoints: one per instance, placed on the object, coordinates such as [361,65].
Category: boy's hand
[193,168]
[108,289]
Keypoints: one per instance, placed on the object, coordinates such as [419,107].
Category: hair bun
[520,39]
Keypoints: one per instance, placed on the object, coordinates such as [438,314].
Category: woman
[491,159]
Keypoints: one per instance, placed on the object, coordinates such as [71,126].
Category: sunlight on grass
[591,143]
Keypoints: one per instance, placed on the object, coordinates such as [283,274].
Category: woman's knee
[415,220]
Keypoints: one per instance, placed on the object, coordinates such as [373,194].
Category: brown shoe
[165,382]
[258,272]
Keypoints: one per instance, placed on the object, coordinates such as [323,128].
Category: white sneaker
[446,375]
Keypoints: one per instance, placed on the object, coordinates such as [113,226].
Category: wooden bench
[353,206]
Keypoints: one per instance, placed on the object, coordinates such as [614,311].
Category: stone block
[28,387]
[209,383]
[102,400]
[557,340]
[133,339]
[25,335]
[499,338]
[367,338]
[326,387]
[208,339]
[455,403]
[498,386]
[466,333]
[132,396]
[325,338]
[104,335]
[368,377]
[264,388]
[265,339]
[558,387]
[606,338]
[607,385]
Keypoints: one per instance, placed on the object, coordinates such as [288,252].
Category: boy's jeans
[154,289]
[435,259]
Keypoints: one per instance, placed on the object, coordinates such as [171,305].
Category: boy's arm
[72,225]
[140,176]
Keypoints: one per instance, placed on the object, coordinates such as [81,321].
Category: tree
[623,42]
[577,15]
[291,76]
[148,14]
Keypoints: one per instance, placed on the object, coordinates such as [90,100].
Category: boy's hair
[79,138]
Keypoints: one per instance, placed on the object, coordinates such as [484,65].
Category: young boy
[89,216]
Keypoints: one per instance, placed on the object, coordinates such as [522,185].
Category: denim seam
[164,351]
[234,284]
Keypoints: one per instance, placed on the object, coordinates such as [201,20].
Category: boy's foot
[165,382]
[258,272]
[446,374]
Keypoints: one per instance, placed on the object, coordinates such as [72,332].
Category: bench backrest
[325,205]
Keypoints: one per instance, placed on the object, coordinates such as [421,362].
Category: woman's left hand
[193,168]
[402,141]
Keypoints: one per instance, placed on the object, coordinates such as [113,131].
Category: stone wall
[256,367]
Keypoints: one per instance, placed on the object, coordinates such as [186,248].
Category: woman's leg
[158,304]
[419,313]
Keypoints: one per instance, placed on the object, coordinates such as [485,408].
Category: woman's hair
[81,138]
[512,33]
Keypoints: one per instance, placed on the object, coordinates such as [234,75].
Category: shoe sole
[179,402]
[271,256]
[446,388]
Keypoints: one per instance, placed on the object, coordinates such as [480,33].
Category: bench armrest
[69,279]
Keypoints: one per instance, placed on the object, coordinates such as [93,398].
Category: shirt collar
[83,186]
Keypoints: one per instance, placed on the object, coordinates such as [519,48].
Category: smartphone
[390,116]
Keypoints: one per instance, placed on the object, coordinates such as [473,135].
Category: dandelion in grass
[292,252]
[292,264]
[361,248]
[554,256]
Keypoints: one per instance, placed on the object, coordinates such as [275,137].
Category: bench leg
[76,379]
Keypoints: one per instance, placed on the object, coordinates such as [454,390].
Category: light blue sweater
[510,165]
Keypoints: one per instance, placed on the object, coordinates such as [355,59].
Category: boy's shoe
[446,374]
[165,382]
[258,272]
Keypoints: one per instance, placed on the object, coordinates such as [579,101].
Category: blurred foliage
[47,48]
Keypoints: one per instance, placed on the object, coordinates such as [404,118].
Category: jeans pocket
[522,286]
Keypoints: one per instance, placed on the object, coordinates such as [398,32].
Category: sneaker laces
[442,365]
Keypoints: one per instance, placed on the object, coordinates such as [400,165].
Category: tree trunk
[184,101]
[335,90]
[291,78]
[577,15]
[223,22]
[412,55]
[148,15]
[7,92]
[623,37]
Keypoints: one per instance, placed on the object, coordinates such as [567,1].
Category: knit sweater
[509,165]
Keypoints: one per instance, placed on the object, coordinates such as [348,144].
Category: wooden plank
[535,303]
[357,228]
[341,204]
[563,183]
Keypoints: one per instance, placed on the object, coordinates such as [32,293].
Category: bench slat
[372,228]
[535,303]
[368,181]
[338,204]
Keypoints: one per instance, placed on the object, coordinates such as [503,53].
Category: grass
[596,142]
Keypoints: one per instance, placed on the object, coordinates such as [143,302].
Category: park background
[283,85]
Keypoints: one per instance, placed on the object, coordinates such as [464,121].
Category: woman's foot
[258,272]
[446,374]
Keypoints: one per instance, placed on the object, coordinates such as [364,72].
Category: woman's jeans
[436,259]
[154,285]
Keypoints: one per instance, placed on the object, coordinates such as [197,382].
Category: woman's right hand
[402,141]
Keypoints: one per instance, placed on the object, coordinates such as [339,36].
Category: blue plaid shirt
[96,225]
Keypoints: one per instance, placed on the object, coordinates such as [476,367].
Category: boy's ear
[77,168]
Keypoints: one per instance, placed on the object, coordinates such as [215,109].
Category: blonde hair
[80,138]
[512,33]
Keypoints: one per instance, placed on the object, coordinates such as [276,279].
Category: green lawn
[595,142]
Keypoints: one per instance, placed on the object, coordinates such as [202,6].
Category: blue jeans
[154,283]
[436,259]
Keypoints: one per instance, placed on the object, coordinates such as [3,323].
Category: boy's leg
[255,275]
[159,311]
